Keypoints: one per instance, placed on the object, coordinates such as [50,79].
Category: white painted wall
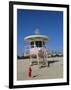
[4,47]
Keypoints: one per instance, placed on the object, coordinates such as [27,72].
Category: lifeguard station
[36,48]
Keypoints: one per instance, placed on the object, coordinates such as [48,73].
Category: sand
[54,71]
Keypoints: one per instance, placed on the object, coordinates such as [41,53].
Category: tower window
[32,44]
[43,43]
[38,44]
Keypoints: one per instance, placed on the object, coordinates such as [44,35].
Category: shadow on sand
[51,62]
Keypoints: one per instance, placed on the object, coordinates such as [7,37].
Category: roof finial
[37,31]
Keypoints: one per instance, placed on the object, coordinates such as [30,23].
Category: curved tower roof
[36,37]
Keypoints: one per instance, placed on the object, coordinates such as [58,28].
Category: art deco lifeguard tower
[37,48]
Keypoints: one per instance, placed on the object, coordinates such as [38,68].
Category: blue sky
[50,23]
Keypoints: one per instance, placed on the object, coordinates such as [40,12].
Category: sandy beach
[53,71]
